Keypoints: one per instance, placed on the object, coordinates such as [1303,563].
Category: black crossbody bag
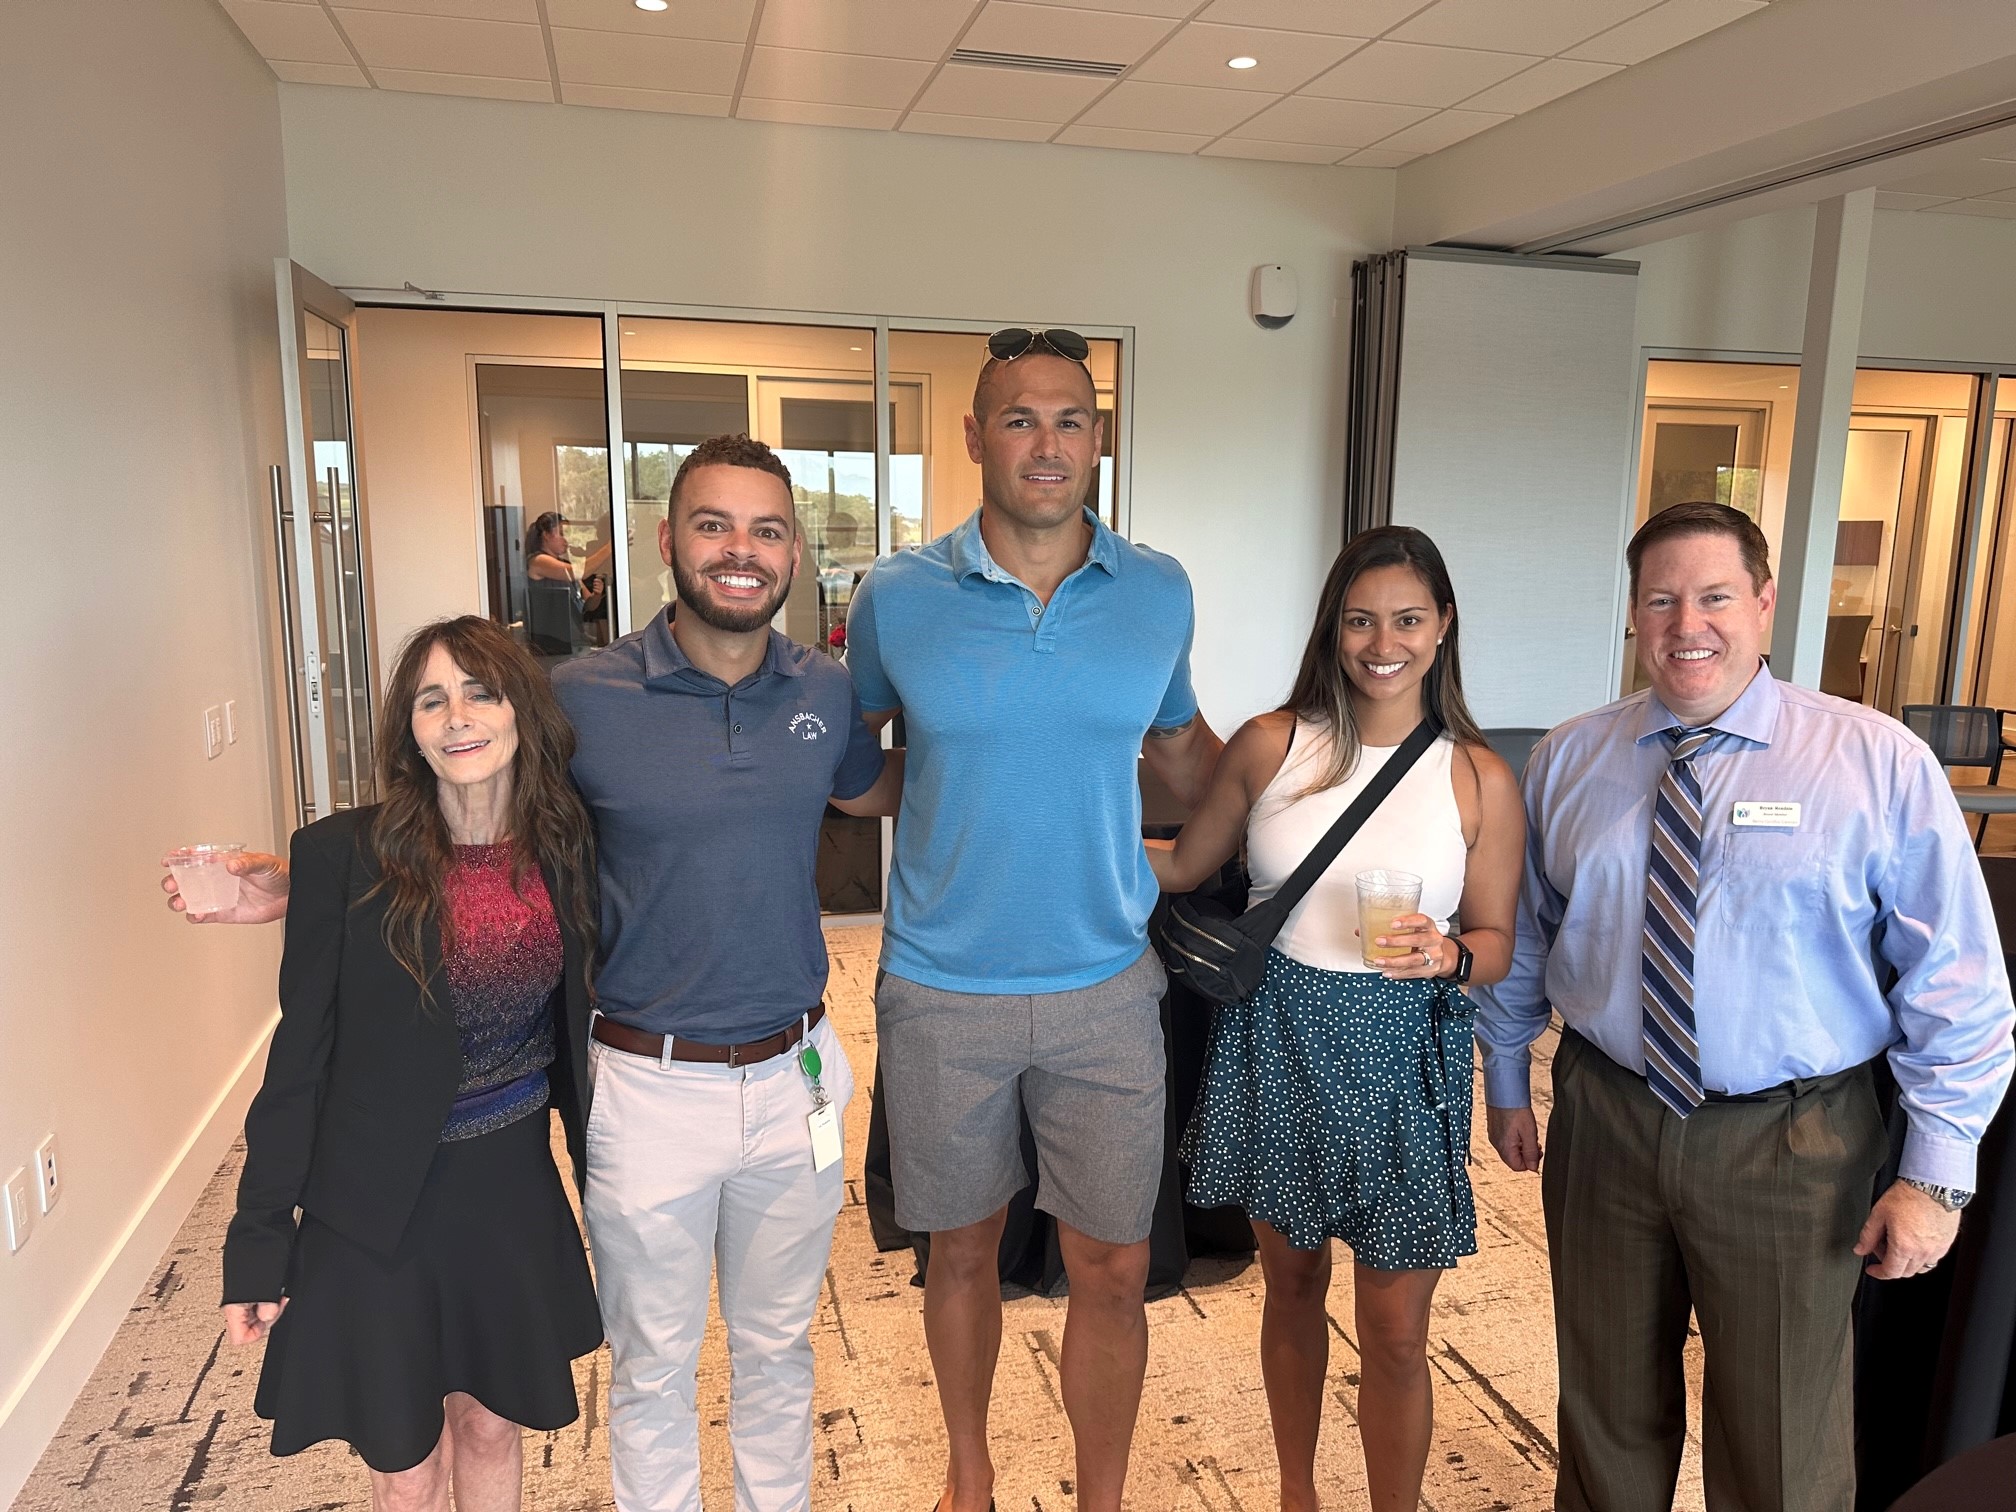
[1221,955]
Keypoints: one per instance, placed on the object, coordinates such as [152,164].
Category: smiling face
[466,730]
[1388,633]
[1038,441]
[1701,623]
[732,544]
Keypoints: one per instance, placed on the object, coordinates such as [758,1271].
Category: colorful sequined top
[503,962]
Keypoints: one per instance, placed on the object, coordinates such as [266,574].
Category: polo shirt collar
[666,663]
[971,558]
[1753,717]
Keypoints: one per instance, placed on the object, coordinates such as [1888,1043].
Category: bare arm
[1218,823]
[1184,756]
[1494,820]
[887,793]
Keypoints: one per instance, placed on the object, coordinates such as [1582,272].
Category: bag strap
[1348,824]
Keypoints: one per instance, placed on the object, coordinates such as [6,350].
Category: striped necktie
[1666,986]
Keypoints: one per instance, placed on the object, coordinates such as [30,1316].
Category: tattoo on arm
[1170,732]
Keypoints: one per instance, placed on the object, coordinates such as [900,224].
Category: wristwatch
[1461,974]
[1946,1197]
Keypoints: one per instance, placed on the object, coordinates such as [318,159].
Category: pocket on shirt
[1770,880]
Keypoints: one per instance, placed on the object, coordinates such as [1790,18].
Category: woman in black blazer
[433,1003]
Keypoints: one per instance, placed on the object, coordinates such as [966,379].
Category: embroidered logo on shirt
[806,725]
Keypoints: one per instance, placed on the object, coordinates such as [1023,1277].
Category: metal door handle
[302,807]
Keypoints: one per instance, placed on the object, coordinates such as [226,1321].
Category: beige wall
[1238,441]
[144,208]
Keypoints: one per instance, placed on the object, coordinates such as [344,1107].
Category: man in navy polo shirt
[709,746]
[1034,655]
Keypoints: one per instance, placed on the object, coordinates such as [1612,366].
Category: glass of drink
[206,884]
[1384,896]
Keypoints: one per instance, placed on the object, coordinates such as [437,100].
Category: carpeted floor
[166,1422]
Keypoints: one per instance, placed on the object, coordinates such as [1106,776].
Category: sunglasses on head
[1016,341]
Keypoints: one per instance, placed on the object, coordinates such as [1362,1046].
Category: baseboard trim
[34,1409]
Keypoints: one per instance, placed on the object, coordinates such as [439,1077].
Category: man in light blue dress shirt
[1738,895]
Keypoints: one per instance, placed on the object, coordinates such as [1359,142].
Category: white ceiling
[1370,83]
[1982,183]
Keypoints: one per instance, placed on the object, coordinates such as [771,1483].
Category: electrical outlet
[46,1173]
[213,732]
[230,721]
[17,1210]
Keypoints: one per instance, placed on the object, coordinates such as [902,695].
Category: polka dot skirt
[1336,1104]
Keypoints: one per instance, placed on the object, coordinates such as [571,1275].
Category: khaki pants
[1745,1214]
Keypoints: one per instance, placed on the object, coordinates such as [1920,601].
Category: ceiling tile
[634,62]
[1406,73]
[1984,176]
[883,29]
[1133,141]
[1336,18]
[669,100]
[1009,94]
[1545,81]
[704,20]
[1442,130]
[297,33]
[1271,152]
[321,73]
[1175,10]
[1890,200]
[1284,61]
[1379,157]
[415,81]
[938,124]
[2000,208]
[1173,107]
[446,44]
[475,10]
[787,73]
[804,113]
[1662,27]
[1528,26]
[1048,31]
[1330,123]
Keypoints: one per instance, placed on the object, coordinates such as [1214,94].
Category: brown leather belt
[662,1047]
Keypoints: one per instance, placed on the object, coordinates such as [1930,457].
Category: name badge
[824,1122]
[1765,815]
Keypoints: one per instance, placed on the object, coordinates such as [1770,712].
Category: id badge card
[824,1122]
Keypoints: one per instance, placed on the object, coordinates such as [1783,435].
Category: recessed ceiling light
[853,349]
[1229,62]
[653,5]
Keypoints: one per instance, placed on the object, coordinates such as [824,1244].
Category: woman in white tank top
[1336,1100]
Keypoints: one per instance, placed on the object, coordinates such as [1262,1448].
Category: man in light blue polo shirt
[1034,655]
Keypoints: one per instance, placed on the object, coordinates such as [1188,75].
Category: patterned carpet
[166,1422]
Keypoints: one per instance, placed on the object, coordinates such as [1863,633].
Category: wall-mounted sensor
[1274,291]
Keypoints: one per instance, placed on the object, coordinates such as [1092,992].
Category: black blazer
[359,1077]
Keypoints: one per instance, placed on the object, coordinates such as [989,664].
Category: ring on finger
[1427,957]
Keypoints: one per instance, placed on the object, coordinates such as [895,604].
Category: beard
[696,594]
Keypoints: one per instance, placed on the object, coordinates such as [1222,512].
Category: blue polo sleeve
[864,649]
[1179,700]
[861,762]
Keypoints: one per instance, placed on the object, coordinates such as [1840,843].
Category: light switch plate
[17,1217]
[230,721]
[213,732]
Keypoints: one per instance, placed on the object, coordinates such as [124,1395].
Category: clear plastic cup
[207,886]
[1384,896]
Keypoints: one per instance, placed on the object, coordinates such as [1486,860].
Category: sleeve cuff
[1938,1159]
[1508,1079]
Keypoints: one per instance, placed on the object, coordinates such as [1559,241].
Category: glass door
[319,527]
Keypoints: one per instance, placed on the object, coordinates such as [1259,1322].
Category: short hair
[1702,517]
[733,451]
[995,364]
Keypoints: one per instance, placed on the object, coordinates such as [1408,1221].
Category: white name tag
[825,1125]
[1767,815]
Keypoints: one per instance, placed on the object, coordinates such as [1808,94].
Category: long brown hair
[548,824]
[1322,692]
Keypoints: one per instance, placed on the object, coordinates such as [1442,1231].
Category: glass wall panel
[808,392]
[935,486]
[1988,674]
[339,561]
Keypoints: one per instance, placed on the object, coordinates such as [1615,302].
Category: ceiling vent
[1082,67]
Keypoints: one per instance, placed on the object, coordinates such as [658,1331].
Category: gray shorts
[958,1069]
